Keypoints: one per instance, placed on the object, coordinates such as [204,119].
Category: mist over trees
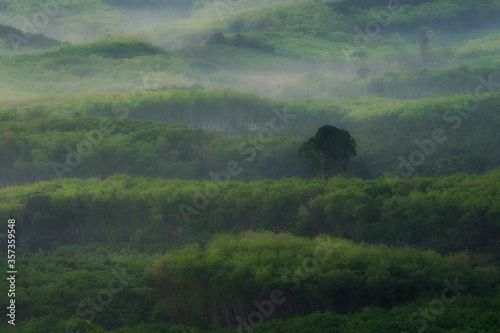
[252,165]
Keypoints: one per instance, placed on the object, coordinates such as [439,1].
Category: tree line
[260,134]
[262,282]
[446,214]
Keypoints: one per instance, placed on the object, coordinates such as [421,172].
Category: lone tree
[328,151]
[363,71]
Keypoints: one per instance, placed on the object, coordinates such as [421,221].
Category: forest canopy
[150,173]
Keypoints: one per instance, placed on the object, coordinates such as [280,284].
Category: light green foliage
[344,276]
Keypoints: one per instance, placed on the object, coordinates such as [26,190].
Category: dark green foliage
[241,41]
[17,39]
[110,49]
[29,151]
[247,267]
[346,5]
[356,287]
[328,151]
[208,241]
[448,214]
[29,142]
[217,38]
[44,302]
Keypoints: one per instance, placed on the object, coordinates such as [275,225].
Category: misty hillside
[277,50]
[250,166]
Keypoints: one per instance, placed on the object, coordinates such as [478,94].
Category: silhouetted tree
[328,151]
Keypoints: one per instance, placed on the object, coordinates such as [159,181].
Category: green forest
[250,166]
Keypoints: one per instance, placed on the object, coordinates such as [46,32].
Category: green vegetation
[448,214]
[13,40]
[75,20]
[306,272]
[113,49]
[150,156]
[328,151]
[278,38]
[223,281]
[118,65]
[46,151]
[260,134]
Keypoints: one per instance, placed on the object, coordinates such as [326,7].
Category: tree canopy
[328,151]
